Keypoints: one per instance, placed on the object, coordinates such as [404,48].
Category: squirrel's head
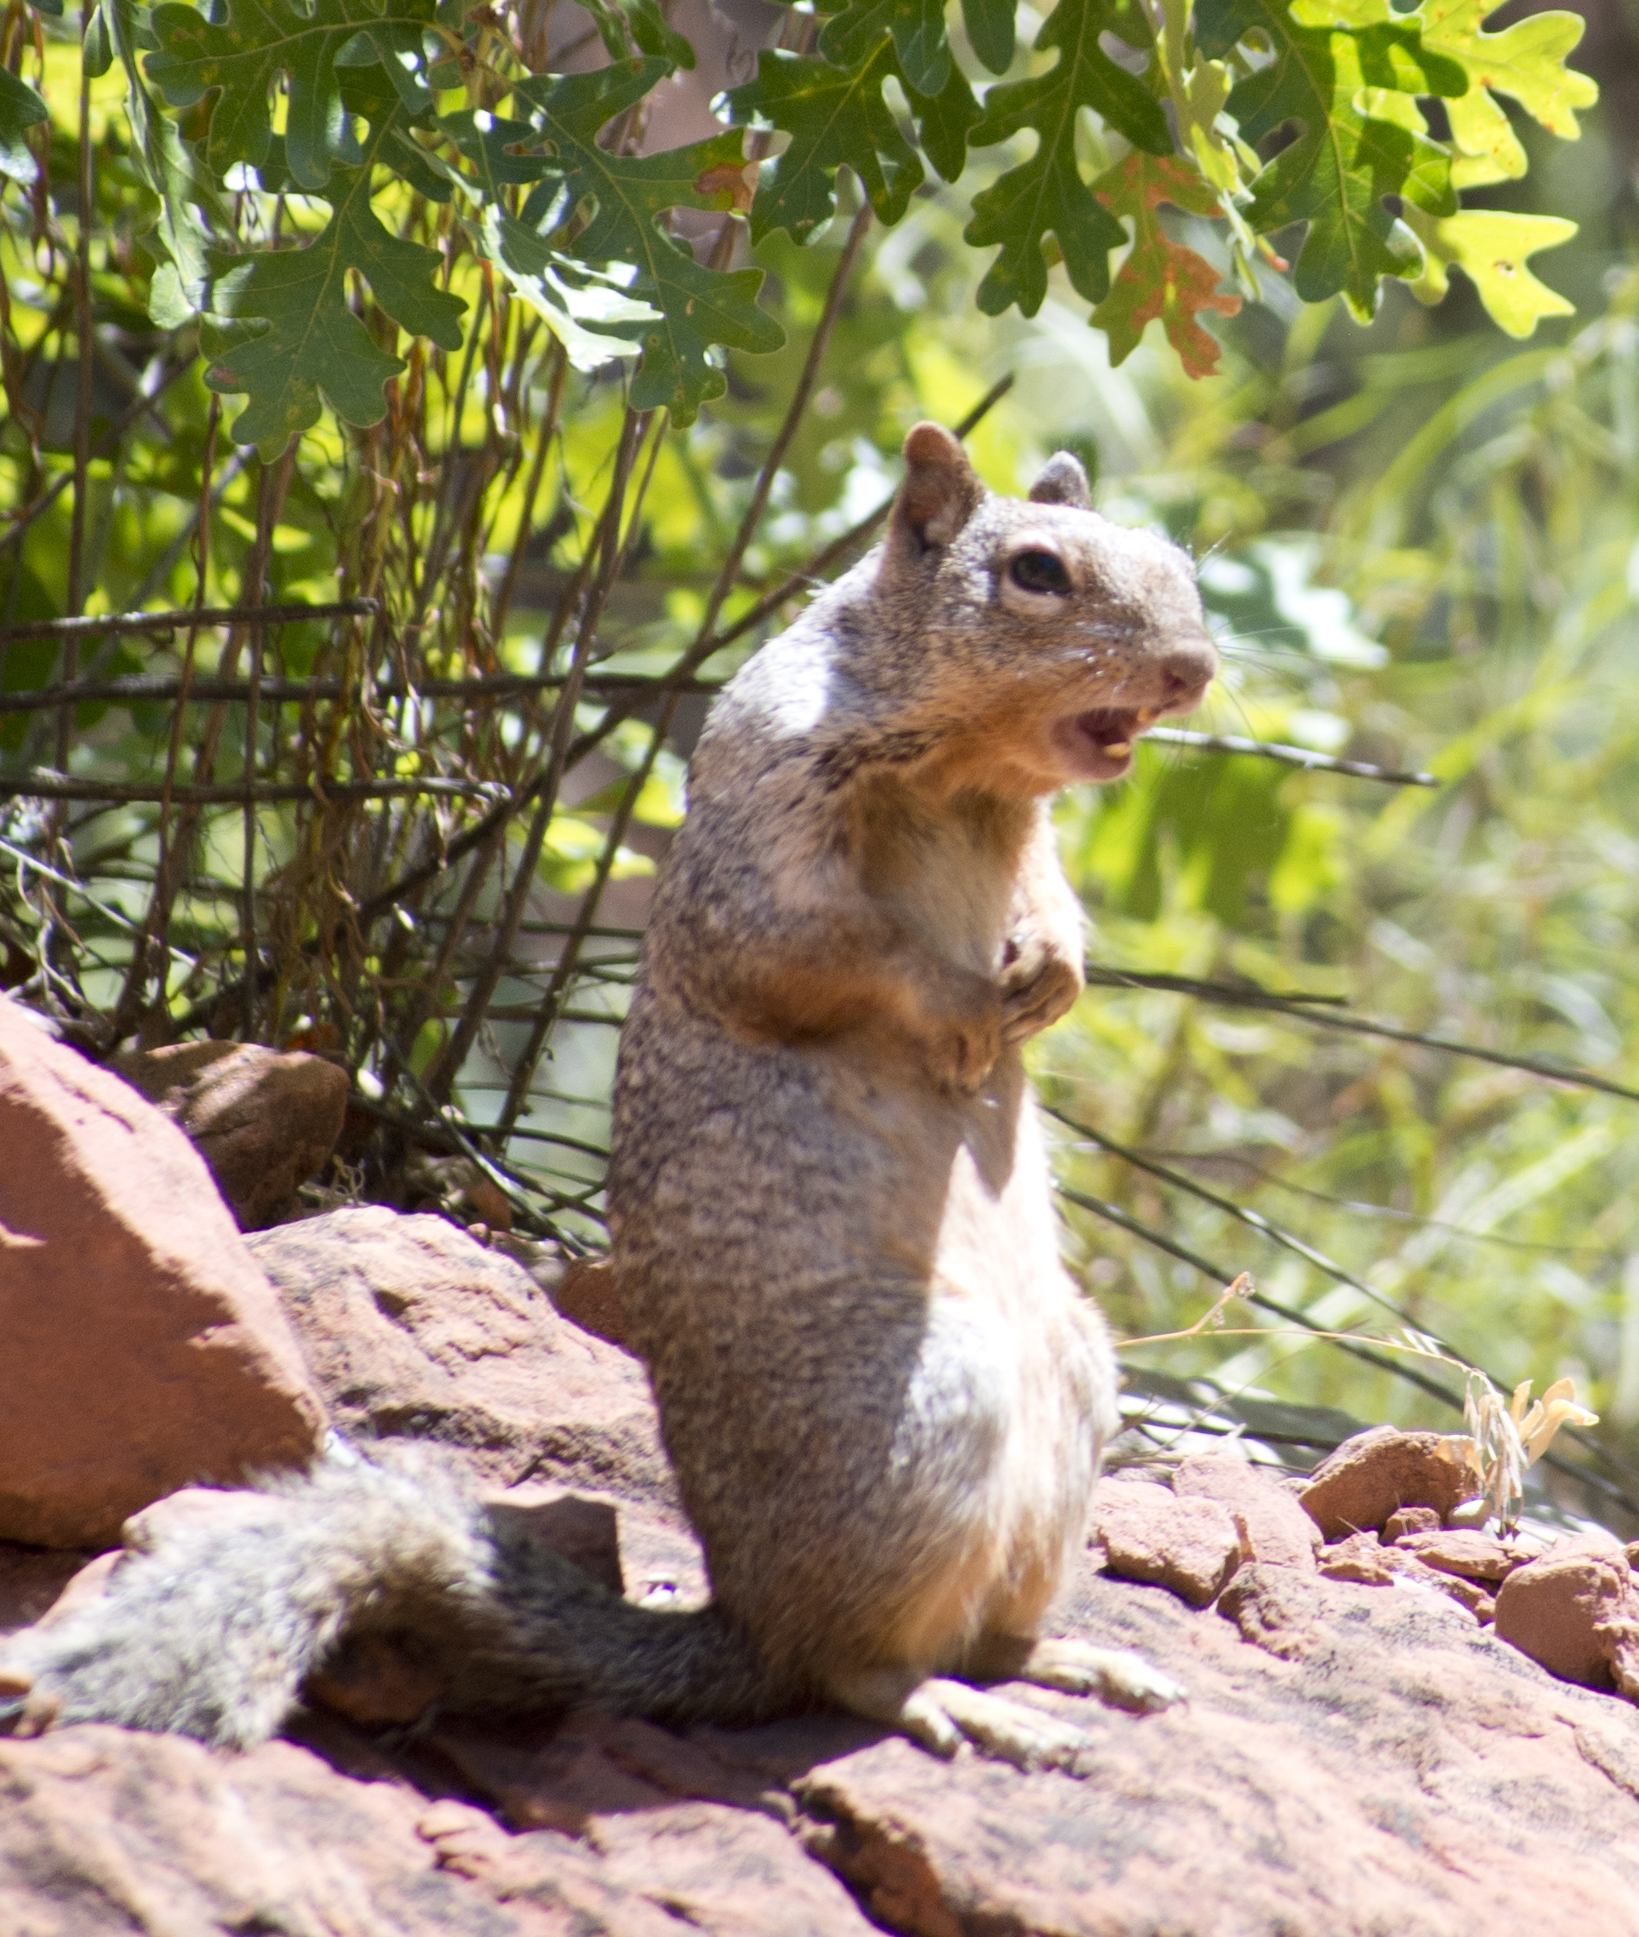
[1072,635]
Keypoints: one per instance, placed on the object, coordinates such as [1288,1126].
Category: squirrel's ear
[941,490]
[1063,481]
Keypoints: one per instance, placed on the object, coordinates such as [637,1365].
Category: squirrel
[829,1204]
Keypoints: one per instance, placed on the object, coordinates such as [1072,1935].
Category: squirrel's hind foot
[941,1715]
[1116,1676]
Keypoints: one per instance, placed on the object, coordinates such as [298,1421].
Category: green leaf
[916,28]
[593,319]
[654,35]
[1344,162]
[834,116]
[187,195]
[639,23]
[945,121]
[1160,277]
[281,330]
[259,41]
[20,108]
[1046,195]
[97,47]
[1526,61]
[1199,90]
[621,199]
[990,32]
[1490,247]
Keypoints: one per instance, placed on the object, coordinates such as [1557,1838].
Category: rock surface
[589,1293]
[1354,1759]
[1149,1533]
[143,1348]
[1268,1517]
[413,1329]
[263,1121]
[1357,1488]
[1576,1610]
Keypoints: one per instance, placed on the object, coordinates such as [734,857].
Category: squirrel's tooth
[1146,716]
[1117,749]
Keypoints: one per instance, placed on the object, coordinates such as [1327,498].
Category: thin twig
[1254,1220]
[544,794]
[145,688]
[1232,995]
[1178,736]
[175,619]
[42,783]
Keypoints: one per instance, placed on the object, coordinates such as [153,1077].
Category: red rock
[1272,1524]
[1371,1763]
[1466,1593]
[713,1869]
[584,1531]
[1476,1556]
[1410,1520]
[1576,1610]
[1148,1533]
[263,1121]
[107,1831]
[144,1350]
[537,1870]
[592,1766]
[1372,1475]
[589,1294]
[1366,1561]
[413,1329]
[1361,1558]
[193,1506]
[31,1578]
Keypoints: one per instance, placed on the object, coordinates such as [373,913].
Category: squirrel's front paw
[1039,984]
[960,1028]
[964,1052]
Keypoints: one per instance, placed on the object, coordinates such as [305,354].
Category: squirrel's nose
[1187,668]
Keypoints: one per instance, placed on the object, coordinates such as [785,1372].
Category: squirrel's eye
[1039,572]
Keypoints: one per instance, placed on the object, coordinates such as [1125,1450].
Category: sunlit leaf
[1490,246]
[1045,196]
[836,117]
[296,335]
[623,199]
[260,41]
[1160,277]
[916,29]
[1338,172]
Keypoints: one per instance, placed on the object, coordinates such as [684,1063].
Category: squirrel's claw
[26,1708]
[1115,1675]
[1008,1731]
[1039,984]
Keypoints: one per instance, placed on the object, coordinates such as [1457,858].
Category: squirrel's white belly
[1014,1353]
[1010,1521]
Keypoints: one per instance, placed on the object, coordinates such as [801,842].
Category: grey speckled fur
[829,1196]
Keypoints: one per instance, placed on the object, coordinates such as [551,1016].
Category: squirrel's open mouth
[1112,730]
[1098,745]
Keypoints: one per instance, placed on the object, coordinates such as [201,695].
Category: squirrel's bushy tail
[213,1633]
